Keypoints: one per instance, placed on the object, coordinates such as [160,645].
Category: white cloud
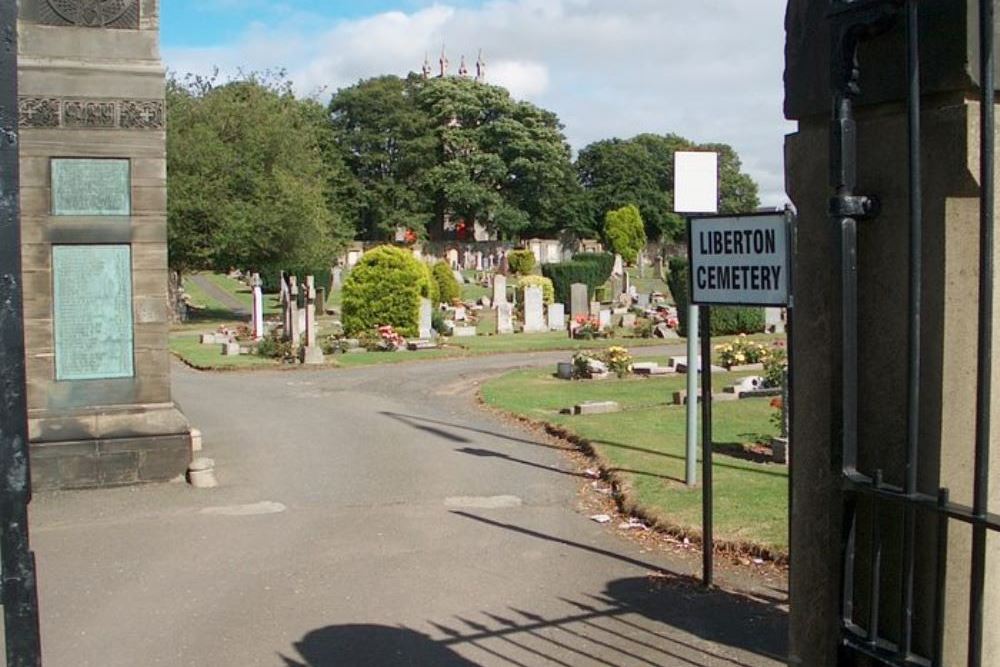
[709,70]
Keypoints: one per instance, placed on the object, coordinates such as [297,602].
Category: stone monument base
[109,447]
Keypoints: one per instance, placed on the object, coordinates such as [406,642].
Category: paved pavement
[371,517]
[220,295]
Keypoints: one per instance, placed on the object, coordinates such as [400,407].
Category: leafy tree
[640,171]
[248,184]
[427,151]
[625,232]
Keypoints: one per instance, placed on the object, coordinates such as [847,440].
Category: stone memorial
[595,309]
[579,300]
[426,329]
[604,317]
[294,333]
[93,230]
[311,353]
[557,317]
[499,289]
[505,319]
[320,300]
[336,278]
[258,307]
[534,310]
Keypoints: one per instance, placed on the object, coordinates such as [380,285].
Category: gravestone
[505,319]
[557,317]
[93,227]
[426,319]
[642,300]
[295,332]
[499,289]
[628,320]
[618,269]
[579,300]
[595,309]
[258,307]
[774,320]
[617,287]
[336,278]
[321,300]
[311,353]
[534,311]
[604,317]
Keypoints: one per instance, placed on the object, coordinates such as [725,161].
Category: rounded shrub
[548,289]
[444,278]
[521,262]
[385,288]
[430,288]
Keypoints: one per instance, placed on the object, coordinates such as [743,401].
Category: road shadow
[371,646]
[653,620]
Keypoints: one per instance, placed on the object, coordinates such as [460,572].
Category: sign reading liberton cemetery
[739,260]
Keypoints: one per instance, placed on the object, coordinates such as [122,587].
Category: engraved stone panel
[91,187]
[92,311]
[84,13]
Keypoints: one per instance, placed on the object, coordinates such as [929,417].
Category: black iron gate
[869,500]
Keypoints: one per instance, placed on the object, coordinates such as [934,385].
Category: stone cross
[286,297]
[258,307]
[294,334]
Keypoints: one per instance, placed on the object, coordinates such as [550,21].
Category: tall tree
[427,150]
[640,171]
[248,183]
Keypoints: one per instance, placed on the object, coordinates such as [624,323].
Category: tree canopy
[254,176]
[640,171]
[429,150]
[625,232]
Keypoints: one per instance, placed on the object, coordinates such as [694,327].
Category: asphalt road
[372,517]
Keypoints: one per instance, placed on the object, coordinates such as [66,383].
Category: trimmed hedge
[385,289]
[431,290]
[548,289]
[444,277]
[521,262]
[726,320]
[604,260]
[564,275]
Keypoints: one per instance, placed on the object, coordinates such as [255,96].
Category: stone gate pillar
[950,150]
[94,244]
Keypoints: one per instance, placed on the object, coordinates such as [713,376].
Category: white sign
[696,182]
[740,260]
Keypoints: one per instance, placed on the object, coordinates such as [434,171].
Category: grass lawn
[243,293]
[643,446]
[650,283]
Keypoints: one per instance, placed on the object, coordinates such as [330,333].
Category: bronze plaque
[92,311]
[91,187]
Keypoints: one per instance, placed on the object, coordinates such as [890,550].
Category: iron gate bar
[20,598]
[913,342]
[980,501]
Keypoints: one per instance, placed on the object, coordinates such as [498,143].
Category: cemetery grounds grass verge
[641,450]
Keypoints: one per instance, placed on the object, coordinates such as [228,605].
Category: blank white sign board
[696,182]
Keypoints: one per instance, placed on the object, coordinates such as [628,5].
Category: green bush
[430,290]
[448,287]
[605,261]
[726,320]
[521,262]
[625,232]
[548,289]
[385,289]
[564,275]
[273,346]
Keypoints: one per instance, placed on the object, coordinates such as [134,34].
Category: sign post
[733,260]
[696,190]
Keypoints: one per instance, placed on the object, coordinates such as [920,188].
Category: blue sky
[709,70]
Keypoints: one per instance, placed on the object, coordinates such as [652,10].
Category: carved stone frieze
[90,114]
[142,115]
[39,112]
[54,112]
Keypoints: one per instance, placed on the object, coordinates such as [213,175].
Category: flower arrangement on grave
[618,360]
[390,340]
[741,351]
[274,346]
[586,327]
[776,365]
[581,365]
